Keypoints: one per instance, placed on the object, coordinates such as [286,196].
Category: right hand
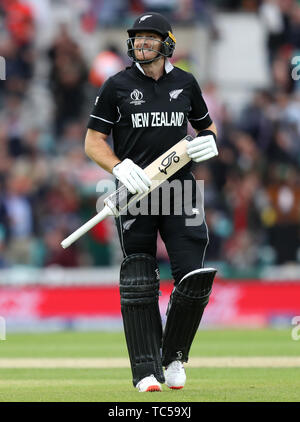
[132,176]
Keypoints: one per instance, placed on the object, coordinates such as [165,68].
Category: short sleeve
[198,116]
[104,113]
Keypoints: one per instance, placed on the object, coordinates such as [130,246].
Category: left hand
[202,148]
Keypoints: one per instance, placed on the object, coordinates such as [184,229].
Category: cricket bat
[119,201]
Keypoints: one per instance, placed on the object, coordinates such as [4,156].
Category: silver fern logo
[143,18]
[128,224]
[174,94]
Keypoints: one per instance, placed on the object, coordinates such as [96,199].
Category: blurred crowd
[255,220]
[47,184]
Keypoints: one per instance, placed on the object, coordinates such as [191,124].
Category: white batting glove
[132,176]
[202,148]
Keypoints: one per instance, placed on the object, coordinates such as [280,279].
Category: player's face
[147,45]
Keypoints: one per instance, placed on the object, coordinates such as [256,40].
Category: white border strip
[201,118]
[99,118]
[196,362]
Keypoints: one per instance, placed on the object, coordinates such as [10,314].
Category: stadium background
[57,54]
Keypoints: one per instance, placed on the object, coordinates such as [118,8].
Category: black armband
[207,132]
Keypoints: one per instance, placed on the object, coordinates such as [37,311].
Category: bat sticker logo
[167,161]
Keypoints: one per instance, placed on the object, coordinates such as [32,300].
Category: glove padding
[132,176]
[202,148]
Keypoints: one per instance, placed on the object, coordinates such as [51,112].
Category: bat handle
[86,227]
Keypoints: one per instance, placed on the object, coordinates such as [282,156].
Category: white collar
[168,66]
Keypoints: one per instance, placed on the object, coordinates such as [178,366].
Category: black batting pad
[139,290]
[185,310]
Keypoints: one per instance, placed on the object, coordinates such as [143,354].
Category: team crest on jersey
[174,94]
[137,97]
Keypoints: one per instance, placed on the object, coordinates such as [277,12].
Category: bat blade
[158,171]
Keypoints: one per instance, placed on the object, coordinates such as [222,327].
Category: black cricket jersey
[148,117]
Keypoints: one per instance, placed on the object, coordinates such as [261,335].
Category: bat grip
[86,227]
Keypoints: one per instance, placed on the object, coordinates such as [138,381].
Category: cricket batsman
[147,108]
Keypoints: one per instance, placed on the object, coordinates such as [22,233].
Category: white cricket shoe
[175,375]
[148,384]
